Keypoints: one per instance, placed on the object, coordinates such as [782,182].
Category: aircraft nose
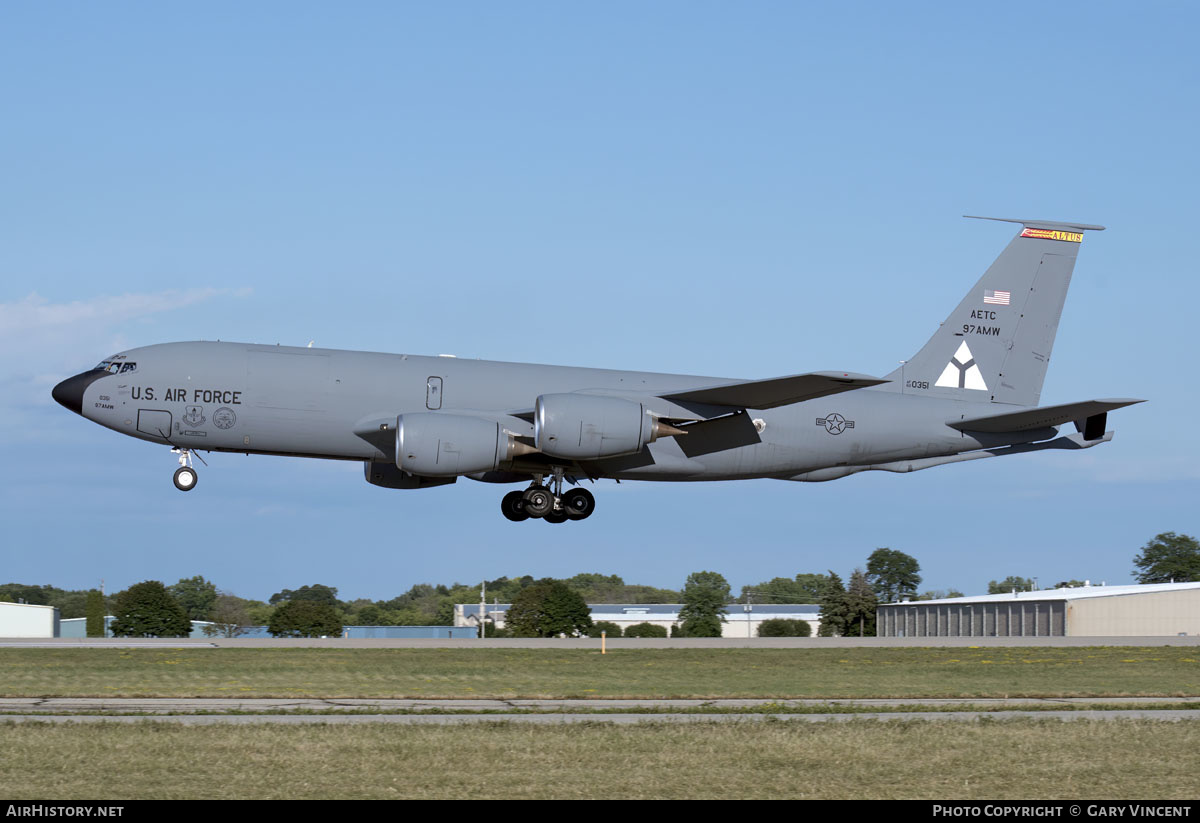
[69,393]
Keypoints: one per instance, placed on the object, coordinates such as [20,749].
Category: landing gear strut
[548,502]
[185,476]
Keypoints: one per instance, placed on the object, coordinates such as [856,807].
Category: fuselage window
[128,367]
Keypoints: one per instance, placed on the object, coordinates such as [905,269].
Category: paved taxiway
[162,705]
[565,719]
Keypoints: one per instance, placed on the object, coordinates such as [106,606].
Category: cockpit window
[115,367]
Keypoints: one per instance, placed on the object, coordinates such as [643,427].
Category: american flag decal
[998,298]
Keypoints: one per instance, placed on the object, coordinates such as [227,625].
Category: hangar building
[27,620]
[1158,609]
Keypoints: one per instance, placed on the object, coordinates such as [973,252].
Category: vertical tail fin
[996,345]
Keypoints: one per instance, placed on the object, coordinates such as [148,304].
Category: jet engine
[447,445]
[587,426]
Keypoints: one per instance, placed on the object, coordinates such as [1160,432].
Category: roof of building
[27,605]
[1075,593]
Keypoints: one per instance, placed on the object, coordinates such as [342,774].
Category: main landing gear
[548,503]
[185,476]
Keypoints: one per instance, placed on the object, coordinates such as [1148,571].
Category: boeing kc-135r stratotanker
[971,392]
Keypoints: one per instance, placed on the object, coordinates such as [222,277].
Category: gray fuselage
[325,403]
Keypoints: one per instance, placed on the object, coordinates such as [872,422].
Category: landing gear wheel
[578,504]
[185,478]
[538,500]
[556,517]
[513,506]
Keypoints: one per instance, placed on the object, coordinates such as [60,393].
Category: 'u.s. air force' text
[226,396]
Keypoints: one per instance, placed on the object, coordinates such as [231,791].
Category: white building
[1153,610]
[25,620]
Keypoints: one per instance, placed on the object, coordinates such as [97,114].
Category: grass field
[646,673]
[987,759]
[859,759]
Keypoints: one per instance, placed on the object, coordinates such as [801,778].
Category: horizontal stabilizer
[1049,225]
[1025,419]
[775,391]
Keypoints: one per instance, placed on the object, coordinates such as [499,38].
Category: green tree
[803,588]
[196,595]
[646,630]
[1068,584]
[860,606]
[1169,556]
[939,594]
[305,618]
[704,597]
[23,593]
[70,604]
[315,593]
[1021,584]
[597,588]
[259,612]
[834,608]
[370,615]
[782,627]
[148,610]
[490,630]
[811,587]
[608,627]
[893,575]
[95,613]
[229,616]
[548,608]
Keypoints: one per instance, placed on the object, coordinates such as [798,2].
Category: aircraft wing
[1025,419]
[775,391]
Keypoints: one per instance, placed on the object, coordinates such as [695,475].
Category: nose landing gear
[548,503]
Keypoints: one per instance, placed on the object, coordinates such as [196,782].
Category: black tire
[538,500]
[578,504]
[555,517]
[513,506]
[185,479]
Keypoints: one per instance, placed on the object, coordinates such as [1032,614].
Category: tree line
[845,609]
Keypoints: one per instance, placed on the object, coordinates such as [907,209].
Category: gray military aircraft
[971,392]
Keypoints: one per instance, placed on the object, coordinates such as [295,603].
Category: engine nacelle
[447,445]
[588,426]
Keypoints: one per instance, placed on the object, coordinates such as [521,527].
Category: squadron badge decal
[224,418]
[195,416]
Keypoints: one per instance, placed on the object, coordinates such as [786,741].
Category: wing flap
[1025,419]
[775,391]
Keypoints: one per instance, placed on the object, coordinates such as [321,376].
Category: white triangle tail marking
[962,372]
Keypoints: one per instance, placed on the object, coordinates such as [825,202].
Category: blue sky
[749,189]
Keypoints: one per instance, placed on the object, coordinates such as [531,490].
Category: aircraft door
[154,422]
[433,393]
